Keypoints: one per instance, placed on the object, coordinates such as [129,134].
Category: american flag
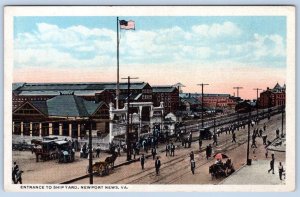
[127,24]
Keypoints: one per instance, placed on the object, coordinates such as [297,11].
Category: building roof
[161,89]
[191,100]
[77,88]
[277,86]
[15,86]
[133,96]
[66,106]
[186,95]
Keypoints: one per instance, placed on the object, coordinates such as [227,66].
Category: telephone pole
[257,89]
[237,95]
[202,85]
[237,90]
[127,128]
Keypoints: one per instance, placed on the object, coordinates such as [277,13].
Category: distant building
[213,100]
[191,104]
[167,94]
[273,97]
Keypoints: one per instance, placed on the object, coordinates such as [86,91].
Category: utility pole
[257,89]
[248,142]
[282,116]
[237,90]
[237,94]
[118,87]
[90,153]
[202,85]
[127,129]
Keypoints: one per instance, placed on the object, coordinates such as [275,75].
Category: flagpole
[117,91]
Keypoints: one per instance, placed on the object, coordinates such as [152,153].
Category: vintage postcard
[149,98]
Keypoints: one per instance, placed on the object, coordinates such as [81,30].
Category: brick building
[272,97]
[167,94]
[213,100]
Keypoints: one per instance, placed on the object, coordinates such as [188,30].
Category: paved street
[174,170]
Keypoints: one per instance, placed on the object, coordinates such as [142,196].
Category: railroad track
[242,139]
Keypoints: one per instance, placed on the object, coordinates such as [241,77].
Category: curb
[220,183]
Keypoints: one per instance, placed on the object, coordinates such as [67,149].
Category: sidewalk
[278,144]
[256,174]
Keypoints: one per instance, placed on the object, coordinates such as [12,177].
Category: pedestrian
[193,166]
[260,132]
[264,137]
[98,151]
[207,150]
[266,153]
[233,137]
[157,165]
[271,166]
[172,149]
[19,177]
[134,152]
[265,127]
[253,145]
[200,143]
[167,149]
[15,169]
[142,160]
[215,139]
[153,152]
[192,156]
[280,170]
[277,133]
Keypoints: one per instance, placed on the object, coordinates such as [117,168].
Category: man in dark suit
[271,166]
[193,166]
[172,149]
[153,151]
[157,165]
[142,159]
[167,149]
[191,156]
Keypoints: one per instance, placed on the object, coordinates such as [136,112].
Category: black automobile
[205,134]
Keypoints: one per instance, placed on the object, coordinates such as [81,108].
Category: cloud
[79,46]
[217,30]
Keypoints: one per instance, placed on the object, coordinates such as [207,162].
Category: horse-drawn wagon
[220,169]
[53,149]
[102,168]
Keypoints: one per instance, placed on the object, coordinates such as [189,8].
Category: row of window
[147,91]
[146,97]
[18,99]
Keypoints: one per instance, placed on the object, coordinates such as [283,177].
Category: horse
[111,160]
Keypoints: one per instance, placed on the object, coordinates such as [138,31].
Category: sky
[224,52]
